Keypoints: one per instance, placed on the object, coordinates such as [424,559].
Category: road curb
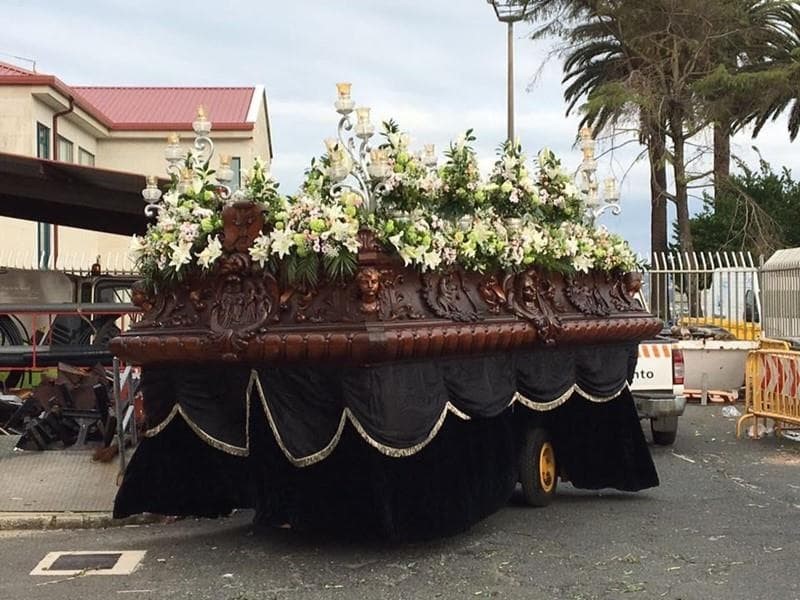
[70,520]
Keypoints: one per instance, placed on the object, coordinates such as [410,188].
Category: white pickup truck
[657,387]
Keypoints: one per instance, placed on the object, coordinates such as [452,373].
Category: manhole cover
[89,563]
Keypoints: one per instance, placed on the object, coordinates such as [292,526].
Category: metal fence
[716,289]
[112,263]
[126,384]
[781,294]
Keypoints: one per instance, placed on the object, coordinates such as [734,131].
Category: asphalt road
[725,523]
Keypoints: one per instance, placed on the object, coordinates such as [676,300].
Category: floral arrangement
[461,189]
[187,228]
[432,217]
[410,184]
[511,189]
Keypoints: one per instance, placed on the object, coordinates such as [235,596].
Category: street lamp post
[597,201]
[510,11]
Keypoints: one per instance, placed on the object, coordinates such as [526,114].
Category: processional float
[391,349]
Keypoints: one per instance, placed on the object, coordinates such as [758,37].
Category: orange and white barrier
[655,350]
[772,384]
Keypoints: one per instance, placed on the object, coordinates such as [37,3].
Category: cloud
[436,66]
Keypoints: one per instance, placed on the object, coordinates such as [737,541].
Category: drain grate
[89,563]
[85,562]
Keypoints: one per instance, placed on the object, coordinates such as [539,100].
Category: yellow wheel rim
[547,467]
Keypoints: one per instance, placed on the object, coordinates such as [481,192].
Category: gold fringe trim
[573,389]
[214,442]
[600,399]
[208,439]
[402,452]
[543,406]
[154,431]
[303,461]
[461,415]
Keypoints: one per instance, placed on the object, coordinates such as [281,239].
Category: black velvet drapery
[399,450]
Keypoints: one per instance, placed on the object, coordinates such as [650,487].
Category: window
[85,157]
[42,141]
[64,149]
[236,166]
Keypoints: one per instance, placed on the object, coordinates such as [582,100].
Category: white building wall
[15,119]
[133,152]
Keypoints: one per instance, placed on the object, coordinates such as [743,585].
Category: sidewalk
[55,489]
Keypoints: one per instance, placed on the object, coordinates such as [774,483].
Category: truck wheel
[537,468]
[10,335]
[664,436]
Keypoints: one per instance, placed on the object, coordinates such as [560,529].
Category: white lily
[582,262]
[259,251]
[181,254]
[210,253]
[281,242]
[137,248]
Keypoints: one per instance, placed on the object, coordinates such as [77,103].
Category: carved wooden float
[241,312]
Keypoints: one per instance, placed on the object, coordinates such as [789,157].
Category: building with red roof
[119,128]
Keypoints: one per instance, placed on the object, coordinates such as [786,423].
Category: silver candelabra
[597,202]
[182,163]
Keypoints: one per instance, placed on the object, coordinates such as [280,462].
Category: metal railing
[112,263]
[717,289]
[781,294]
[125,387]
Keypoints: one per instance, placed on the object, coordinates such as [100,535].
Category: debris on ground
[731,412]
[701,332]
[761,431]
[793,435]
[712,396]
[71,409]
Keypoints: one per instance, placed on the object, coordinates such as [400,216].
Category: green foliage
[340,267]
[263,189]
[757,213]
[302,270]
[460,177]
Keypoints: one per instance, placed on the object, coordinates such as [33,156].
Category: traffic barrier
[772,386]
[657,350]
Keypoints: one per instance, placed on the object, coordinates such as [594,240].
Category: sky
[437,67]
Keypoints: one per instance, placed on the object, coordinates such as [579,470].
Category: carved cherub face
[369,283]
[527,287]
[139,295]
[240,226]
[633,283]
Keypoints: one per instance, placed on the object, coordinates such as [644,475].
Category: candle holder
[175,154]
[429,156]
[151,195]
[354,166]
[344,104]
[596,202]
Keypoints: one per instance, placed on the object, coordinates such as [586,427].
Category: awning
[73,195]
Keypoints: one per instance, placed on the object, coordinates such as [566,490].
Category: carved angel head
[241,225]
[369,283]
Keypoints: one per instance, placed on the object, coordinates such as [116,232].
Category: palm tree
[754,64]
[598,67]
[651,60]
[770,80]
